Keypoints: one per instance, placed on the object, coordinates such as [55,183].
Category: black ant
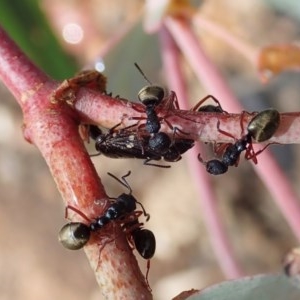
[262,127]
[127,144]
[209,108]
[75,235]
[151,97]
[230,156]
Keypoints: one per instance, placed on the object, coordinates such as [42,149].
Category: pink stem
[53,128]
[210,212]
[18,73]
[236,43]
[208,74]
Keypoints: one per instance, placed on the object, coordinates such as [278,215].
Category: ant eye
[74,236]
[151,94]
[263,126]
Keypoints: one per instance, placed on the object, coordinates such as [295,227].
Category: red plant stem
[107,112]
[53,128]
[207,198]
[285,197]
[13,65]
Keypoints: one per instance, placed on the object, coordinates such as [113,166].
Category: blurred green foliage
[27,26]
[136,47]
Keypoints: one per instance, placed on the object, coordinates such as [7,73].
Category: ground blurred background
[33,265]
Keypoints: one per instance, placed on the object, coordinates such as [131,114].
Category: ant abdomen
[264,125]
[151,95]
[145,243]
[74,235]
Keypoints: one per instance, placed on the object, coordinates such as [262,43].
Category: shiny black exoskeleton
[230,157]
[233,151]
[127,144]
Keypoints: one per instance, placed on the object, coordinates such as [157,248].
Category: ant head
[94,132]
[151,95]
[128,202]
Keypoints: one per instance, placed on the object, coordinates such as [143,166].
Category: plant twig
[216,231]
[207,73]
[53,129]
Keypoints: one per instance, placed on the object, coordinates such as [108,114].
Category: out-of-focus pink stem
[210,212]
[18,73]
[205,70]
[280,189]
[236,43]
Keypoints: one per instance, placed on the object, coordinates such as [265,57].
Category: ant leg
[175,129]
[77,211]
[224,132]
[101,247]
[135,215]
[243,115]
[254,154]
[171,102]
[201,159]
[111,130]
[147,273]
[147,163]
[198,105]
[220,148]
[95,154]
[129,226]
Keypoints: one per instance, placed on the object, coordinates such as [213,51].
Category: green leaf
[259,287]
[27,26]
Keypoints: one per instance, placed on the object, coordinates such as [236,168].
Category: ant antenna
[142,73]
[123,181]
[126,184]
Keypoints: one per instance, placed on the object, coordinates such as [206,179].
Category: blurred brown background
[33,265]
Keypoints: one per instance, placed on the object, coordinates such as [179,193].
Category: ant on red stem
[261,128]
[209,108]
[75,235]
[124,143]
